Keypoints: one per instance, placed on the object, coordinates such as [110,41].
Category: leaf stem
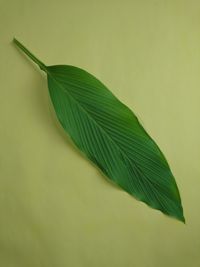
[30,55]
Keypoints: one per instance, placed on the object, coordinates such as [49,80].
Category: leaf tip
[180,216]
[182,219]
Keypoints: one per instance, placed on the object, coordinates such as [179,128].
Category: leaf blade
[111,136]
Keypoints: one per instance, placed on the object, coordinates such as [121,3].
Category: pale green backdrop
[56,209]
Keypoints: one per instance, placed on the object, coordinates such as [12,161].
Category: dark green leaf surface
[110,135]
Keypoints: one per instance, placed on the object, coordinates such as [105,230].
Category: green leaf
[111,136]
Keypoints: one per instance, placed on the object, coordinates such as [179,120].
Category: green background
[56,209]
